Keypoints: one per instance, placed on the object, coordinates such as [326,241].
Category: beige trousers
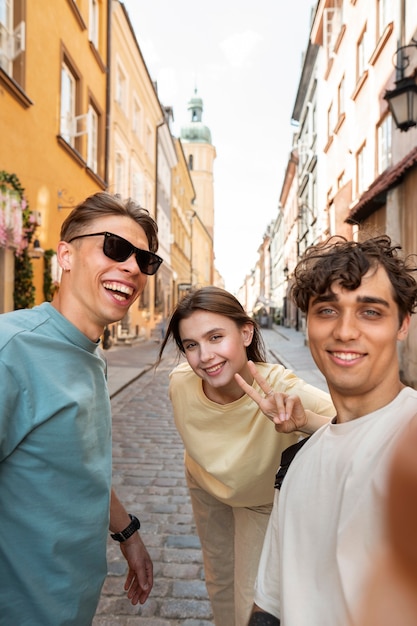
[231,540]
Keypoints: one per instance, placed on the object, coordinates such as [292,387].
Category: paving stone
[183,541]
[189,589]
[149,478]
[182,609]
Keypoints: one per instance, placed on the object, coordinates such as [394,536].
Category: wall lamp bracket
[402,100]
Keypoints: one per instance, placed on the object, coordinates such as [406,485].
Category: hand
[285,411]
[139,579]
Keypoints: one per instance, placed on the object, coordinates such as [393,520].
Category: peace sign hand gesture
[284,410]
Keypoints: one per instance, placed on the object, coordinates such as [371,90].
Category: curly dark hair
[214,300]
[346,262]
[103,203]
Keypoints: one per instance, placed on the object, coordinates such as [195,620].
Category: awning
[375,196]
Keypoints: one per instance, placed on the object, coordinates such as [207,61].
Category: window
[137,119]
[12,39]
[191,162]
[307,131]
[341,180]
[384,139]
[121,89]
[306,137]
[332,23]
[138,188]
[74,124]
[93,26]
[384,15]
[149,143]
[361,164]
[68,124]
[120,174]
[304,152]
[92,138]
[361,55]
[5,12]
[341,98]
[331,120]
[6,27]
[313,112]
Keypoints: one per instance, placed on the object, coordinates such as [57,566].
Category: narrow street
[149,479]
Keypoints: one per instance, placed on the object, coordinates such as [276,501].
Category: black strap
[286,459]
[263,619]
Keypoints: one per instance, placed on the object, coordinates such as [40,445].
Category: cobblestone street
[149,479]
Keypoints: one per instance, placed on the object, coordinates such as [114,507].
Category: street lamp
[36,252]
[402,100]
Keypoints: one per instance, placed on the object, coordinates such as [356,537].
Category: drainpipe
[158,126]
[108,96]
[156,294]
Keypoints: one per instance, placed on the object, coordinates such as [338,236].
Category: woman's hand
[285,411]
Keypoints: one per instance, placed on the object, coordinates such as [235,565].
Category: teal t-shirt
[55,470]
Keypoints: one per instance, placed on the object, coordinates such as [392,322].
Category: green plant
[48,284]
[16,230]
[24,289]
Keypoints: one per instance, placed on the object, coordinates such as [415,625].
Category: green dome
[195,131]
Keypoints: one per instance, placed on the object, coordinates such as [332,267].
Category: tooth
[120,288]
[347,357]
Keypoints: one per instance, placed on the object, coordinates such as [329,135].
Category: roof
[376,194]
[195,131]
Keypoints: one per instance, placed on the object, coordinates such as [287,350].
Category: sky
[245,59]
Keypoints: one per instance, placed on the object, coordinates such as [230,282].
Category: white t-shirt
[322,535]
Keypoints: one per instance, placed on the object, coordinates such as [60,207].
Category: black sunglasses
[118,249]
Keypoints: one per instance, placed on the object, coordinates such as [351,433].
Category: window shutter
[79,125]
[17,41]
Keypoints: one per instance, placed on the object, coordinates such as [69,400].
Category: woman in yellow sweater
[232,451]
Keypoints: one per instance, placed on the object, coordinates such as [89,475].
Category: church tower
[200,154]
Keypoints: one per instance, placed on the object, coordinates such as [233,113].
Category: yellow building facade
[183,196]
[79,113]
[135,114]
[53,89]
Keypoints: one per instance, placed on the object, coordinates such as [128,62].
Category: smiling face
[95,290]
[353,339]
[215,348]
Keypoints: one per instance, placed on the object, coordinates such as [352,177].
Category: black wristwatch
[128,531]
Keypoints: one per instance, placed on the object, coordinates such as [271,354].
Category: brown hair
[346,262]
[104,203]
[214,300]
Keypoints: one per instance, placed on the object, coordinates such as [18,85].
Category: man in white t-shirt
[321,538]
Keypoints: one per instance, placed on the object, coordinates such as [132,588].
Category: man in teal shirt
[56,502]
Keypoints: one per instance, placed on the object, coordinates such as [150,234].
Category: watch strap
[128,531]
